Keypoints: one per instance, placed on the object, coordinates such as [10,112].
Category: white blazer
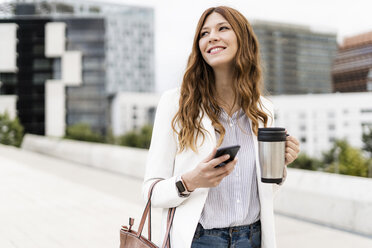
[164,162]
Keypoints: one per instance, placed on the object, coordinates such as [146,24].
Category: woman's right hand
[205,175]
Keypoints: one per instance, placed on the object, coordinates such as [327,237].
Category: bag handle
[166,242]
[147,213]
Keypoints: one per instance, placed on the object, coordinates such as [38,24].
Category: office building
[317,120]
[131,111]
[295,59]
[93,49]
[352,68]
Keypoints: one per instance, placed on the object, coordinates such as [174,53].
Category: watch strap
[181,187]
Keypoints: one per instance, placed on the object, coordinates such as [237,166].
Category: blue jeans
[231,237]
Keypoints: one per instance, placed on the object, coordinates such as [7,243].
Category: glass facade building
[295,59]
[117,47]
[352,69]
[33,69]
[87,103]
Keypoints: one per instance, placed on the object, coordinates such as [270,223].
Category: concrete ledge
[343,202]
[339,201]
[124,160]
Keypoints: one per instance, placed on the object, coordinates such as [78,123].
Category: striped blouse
[234,202]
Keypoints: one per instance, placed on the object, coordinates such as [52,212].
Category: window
[366,110]
[41,64]
[151,115]
[38,50]
[40,78]
[369,86]
[331,114]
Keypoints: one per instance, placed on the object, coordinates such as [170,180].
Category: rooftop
[357,40]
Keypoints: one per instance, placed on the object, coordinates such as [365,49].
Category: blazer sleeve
[161,155]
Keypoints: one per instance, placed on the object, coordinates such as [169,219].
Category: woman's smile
[215,50]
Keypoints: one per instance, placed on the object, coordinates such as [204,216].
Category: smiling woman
[219,104]
[230,78]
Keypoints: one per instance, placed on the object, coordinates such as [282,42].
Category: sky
[175,23]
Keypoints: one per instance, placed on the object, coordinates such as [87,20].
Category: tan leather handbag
[132,239]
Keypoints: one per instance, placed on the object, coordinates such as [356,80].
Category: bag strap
[166,242]
[147,213]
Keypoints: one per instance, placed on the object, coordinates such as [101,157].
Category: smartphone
[231,150]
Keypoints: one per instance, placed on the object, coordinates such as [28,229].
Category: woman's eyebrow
[218,24]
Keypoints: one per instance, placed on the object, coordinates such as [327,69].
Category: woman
[218,104]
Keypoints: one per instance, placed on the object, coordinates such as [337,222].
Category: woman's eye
[203,34]
[222,28]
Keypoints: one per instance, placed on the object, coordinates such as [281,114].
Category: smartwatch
[181,188]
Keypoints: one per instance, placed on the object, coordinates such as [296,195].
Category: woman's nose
[213,36]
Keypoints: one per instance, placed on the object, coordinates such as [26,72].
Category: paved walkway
[47,203]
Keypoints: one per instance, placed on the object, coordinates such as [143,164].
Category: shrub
[11,131]
[345,159]
[303,161]
[83,132]
[139,139]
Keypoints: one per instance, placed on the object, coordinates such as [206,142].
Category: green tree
[305,162]
[145,136]
[110,138]
[83,132]
[140,139]
[11,131]
[129,139]
[344,159]
[367,147]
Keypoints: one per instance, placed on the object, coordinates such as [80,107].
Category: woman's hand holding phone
[206,174]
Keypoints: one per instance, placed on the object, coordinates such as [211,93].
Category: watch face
[180,187]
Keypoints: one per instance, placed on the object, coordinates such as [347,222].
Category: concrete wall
[339,201]
[55,39]
[55,108]
[72,68]
[124,160]
[8,47]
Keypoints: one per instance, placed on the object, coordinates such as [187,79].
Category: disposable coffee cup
[271,151]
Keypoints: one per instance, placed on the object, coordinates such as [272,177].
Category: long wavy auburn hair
[198,89]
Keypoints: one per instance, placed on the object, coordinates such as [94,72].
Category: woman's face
[218,43]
